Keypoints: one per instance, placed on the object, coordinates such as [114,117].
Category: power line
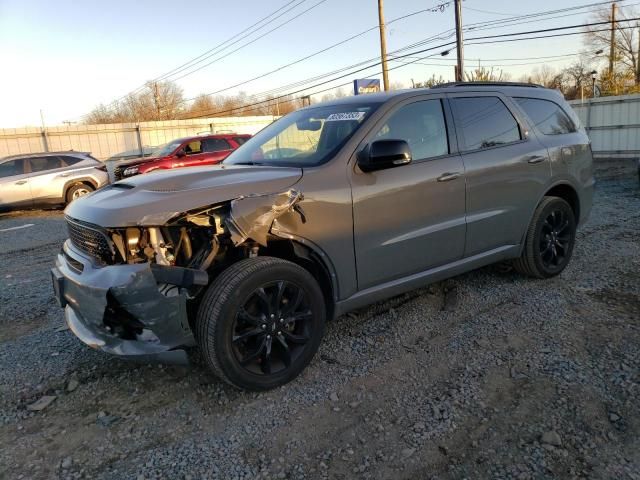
[441,36]
[221,46]
[416,52]
[250,42]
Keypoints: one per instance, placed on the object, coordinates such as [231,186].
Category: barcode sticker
[341,117]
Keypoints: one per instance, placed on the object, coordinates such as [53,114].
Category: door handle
[21,182]
[65,174]
[536,159]
[447,177]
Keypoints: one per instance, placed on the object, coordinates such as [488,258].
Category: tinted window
[485,122]
[422,125]
[12,167]
[68,160]
[547,116]
[240,140]
[194,147]
[215,145]
[41,164]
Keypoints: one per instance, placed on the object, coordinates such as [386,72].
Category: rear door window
[240,140]
[42,164]
[422,126]
[484,122]
[546,115]
[215,145]
[11,168]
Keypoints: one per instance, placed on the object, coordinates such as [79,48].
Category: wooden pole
[383,45]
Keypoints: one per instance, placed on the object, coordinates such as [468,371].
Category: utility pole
[612,50]
[638,58]
[156,98]
[383,45]
[459,42]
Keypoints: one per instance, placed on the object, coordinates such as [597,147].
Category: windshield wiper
[248,163]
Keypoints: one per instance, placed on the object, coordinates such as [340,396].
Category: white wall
[104,141]
[613,124]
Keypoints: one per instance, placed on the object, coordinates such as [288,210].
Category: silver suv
[41,179]
[328,209]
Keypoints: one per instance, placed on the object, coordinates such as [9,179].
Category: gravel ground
[486,375]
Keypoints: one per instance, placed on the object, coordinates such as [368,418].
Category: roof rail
[487,84]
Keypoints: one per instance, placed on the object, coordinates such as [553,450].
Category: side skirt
[420,279]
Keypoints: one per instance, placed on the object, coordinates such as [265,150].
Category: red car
[183,152]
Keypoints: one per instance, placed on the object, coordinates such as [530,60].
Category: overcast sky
[65,57]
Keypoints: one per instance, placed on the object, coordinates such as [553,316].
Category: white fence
[613,124]
[104,141]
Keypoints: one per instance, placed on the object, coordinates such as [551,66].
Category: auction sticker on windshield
[337,117]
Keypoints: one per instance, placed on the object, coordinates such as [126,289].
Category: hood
[136,161]
[154,198]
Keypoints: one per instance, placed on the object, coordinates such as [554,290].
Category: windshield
[165,149]
[304,138]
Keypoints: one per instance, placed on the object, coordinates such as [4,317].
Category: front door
[14,184]
[411,218]
[507,169]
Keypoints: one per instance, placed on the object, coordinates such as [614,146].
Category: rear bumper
[120,310]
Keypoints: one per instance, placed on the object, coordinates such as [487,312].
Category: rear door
[215,150]
[14,184]
[507,169]
[48,178]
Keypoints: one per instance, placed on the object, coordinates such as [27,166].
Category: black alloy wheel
[549,241]
[261,322]
[555,239]
[272,327]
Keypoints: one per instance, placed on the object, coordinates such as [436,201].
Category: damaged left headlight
[148,244]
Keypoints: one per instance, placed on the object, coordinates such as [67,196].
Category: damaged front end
[132,291]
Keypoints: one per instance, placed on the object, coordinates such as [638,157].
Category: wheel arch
[563,190]
[312,259]
[568,193]
[88,181]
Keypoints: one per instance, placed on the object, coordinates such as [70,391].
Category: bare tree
[483,74]
[430,82]
[544,75]
[156,101]
[627,41]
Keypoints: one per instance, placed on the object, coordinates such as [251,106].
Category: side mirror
[384,154]
[180,153]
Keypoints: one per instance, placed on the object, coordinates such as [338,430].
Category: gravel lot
[487,375]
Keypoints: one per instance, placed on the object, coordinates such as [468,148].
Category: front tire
[261,322]
[549,241]
[78,190]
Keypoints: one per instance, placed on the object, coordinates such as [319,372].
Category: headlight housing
[130,171]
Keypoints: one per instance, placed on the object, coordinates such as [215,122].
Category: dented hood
[154,198]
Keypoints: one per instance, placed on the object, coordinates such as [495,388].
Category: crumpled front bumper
[84,290]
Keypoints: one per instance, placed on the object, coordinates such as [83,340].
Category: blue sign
[366,85]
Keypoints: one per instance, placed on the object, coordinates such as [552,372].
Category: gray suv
[55,178]
[329,209]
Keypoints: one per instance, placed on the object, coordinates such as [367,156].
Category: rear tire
[78,190]
[550,239]
[260,323]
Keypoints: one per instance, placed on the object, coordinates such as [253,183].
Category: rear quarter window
[546,115]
